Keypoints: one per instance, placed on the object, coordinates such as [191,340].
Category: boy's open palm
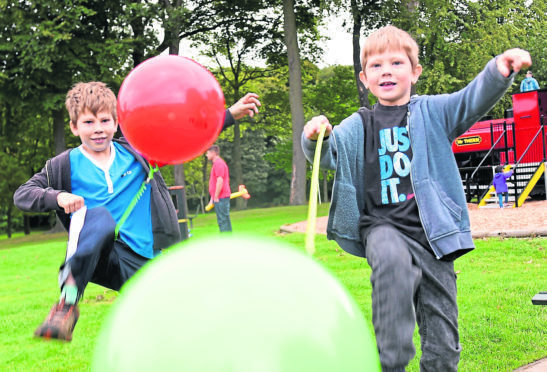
[313,127]
[513,60]
[70,202]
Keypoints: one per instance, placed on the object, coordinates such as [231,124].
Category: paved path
[537,366]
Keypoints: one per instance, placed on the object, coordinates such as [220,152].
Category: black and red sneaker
[60,322]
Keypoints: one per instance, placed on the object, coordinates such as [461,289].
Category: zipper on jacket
[412,185]
[48,163]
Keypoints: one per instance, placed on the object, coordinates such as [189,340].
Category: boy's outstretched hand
[247,105]
[513,60]
[313,127]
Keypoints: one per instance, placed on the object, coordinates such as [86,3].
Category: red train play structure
[519,139]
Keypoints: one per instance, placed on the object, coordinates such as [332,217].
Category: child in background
[500,184]
[397,197]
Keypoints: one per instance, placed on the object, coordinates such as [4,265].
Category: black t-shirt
[389,197]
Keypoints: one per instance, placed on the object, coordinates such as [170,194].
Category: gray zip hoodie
[434,123]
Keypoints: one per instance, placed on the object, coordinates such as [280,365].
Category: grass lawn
[500,329]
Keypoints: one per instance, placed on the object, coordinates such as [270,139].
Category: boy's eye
[397,63]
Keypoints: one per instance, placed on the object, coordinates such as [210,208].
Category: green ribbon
[136,198]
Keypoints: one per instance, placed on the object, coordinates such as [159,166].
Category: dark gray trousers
[409,286]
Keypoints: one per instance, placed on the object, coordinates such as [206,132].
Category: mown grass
[500,329]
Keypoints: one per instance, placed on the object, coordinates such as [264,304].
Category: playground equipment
[241,192]
[520,138]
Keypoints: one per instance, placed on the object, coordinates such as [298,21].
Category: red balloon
[170,109]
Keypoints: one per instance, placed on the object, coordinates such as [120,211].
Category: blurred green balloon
[235,304]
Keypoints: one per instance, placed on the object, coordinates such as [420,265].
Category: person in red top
[219,188]
[219,182]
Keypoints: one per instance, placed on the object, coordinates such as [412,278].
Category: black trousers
[97,258]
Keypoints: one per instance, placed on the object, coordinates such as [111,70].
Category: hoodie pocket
[345,216]
[439,213]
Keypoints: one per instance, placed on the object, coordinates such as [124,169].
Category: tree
[458,38]
[260,30]
[11,176]
[44,49]
[193,20]
[232,46]
[172,27]
[366,14]
[332,93]
[298,180]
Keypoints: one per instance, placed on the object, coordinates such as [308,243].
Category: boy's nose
[97,127]
[386,70]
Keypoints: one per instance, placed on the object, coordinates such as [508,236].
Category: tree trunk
[178,174]
[357,24]
[138,30]
[205,193]
[9,221]
[237,159]
[173,35]
[26,224]
[298,179]
[59,131]
[236,163]
[325,187]
[412,7]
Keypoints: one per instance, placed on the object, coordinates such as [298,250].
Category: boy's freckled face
[95,132]
[389,76]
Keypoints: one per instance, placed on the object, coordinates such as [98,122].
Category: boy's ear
[416,74]
[73,128]
[363,79]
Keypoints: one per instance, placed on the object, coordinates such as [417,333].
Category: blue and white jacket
[434,123]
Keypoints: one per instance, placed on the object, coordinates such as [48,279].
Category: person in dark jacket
[90,188]
[500,184]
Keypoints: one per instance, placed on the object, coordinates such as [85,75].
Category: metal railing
[503,135]
[541,131]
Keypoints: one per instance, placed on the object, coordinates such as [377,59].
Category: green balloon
[235,304]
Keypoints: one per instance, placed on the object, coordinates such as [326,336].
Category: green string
[136,198]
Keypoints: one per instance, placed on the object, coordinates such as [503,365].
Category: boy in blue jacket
[397,197]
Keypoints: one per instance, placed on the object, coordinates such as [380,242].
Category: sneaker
[60,322]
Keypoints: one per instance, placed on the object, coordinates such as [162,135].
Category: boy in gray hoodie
[397,197]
